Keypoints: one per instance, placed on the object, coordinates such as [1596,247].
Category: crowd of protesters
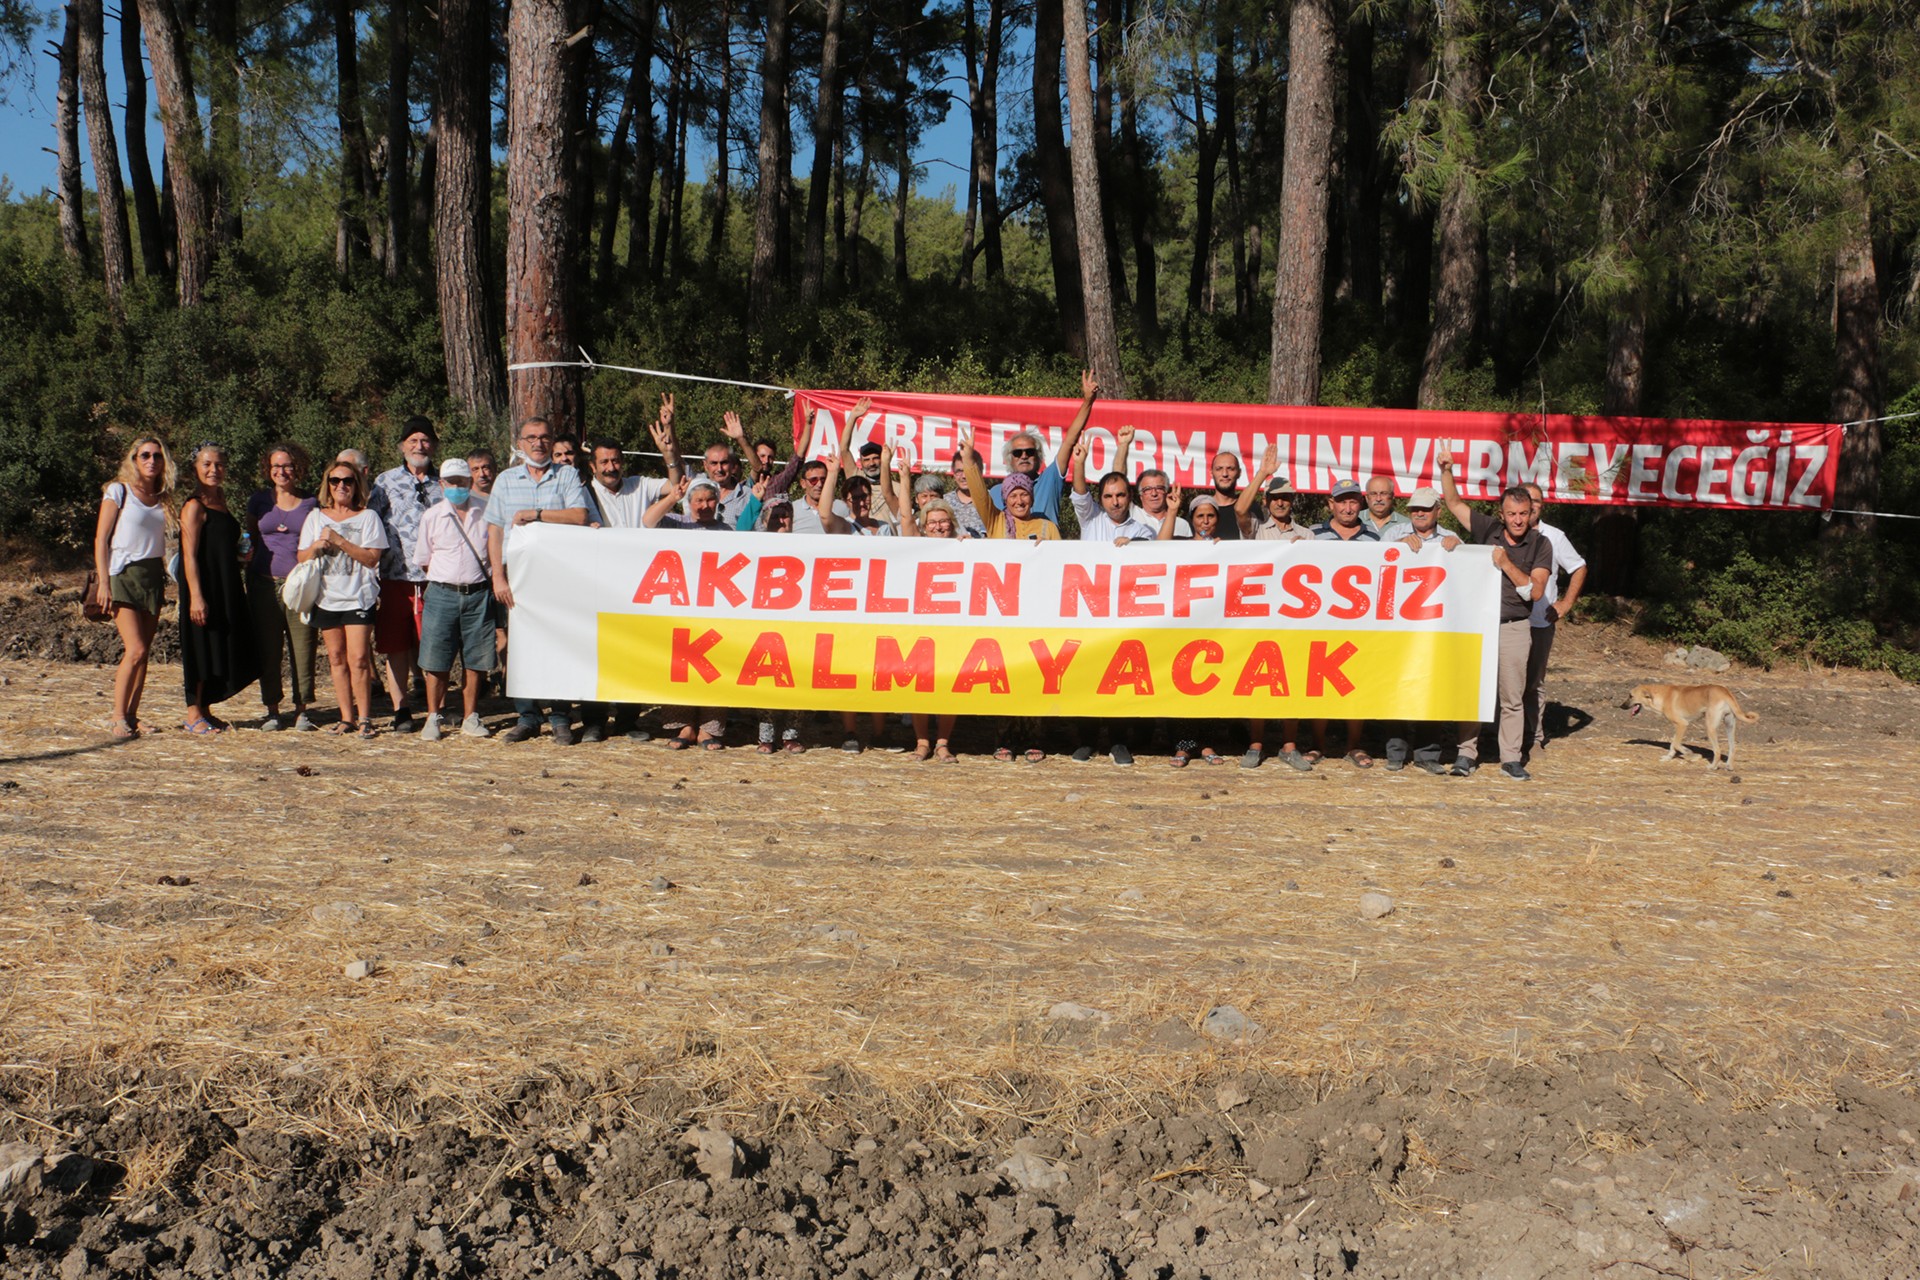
[411,579]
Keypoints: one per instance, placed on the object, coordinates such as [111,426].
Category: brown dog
[1682,704]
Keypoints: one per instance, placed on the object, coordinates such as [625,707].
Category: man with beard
[401,496]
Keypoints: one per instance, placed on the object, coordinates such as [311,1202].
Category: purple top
[276,548]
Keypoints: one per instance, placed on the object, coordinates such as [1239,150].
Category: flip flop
[1211,756]
[199,727]
[1035,755]
[712,744]
[678,744]
[1179,760]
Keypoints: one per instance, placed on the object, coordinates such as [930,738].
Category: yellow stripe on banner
[1365,675]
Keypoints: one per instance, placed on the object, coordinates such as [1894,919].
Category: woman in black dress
[216,631]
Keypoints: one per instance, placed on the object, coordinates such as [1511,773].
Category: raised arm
[976,483]
[1123,459]
[1449,491]
[663,438]
[1243,505]
[1078,470]
[1171,520]
[847,461]
[669,499]
[830,522]
[1089,392]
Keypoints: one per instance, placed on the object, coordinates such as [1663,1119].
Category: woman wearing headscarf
[275,517]
[932,734]
[216,629]
[350,538]
[129,565]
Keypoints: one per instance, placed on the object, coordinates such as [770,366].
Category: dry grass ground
[832,918]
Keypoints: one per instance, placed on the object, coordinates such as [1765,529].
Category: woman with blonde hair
[275,517]
[216,630]
[129,565]
[351,538]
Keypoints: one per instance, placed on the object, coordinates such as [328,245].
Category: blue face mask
[457,496]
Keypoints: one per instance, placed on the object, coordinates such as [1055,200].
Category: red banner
[1654,462]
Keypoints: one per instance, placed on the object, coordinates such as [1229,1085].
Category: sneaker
[520,732]
[563,735]
[303,724]
[594,733]
[430,731]
[639,735]
[852,746]
[1516,771]
[270,725]
[403,721]
[1122,756]
[1463,766]
[1294,760]
[1251,758]
[472,728]
[1082,754]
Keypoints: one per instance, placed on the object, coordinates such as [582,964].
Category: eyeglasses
[1153,488]
[150,457]
[535,439]
[420,488]
[333,480]
[1024,453]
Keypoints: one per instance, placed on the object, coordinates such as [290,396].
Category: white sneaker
[472,728]
[430,731]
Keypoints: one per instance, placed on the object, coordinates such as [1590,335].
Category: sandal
[793,746]
[922,751]
[200,727]
[1211,756]
[712,744]
[124,730]
[367,730]
[1003,754]
[765,748]
[1035,755]
[1251,759]
[1359,759]
[678,744]
[943,754]
[342,726]
[1293,759]
[1179,760]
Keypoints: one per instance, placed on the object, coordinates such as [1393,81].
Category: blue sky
[27,141]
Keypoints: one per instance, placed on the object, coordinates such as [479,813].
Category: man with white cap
[456,619]
[1423,517]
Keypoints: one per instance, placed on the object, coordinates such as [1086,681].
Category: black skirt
[218,658]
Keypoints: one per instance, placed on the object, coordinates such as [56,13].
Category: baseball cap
[1347,489]
[1279,487]
[455,469]
[1424,497]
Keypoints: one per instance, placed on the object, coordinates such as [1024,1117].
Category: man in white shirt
[1547,612]
[619,500]
[456,619]
[1108,518]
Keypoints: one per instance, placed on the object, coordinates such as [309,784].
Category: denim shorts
[456,623]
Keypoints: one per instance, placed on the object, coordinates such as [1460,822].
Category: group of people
[412,570]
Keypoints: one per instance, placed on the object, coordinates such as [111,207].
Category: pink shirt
[441,549]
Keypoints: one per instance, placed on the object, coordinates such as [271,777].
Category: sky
[26,129]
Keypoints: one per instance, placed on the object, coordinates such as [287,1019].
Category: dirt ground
[629,1013]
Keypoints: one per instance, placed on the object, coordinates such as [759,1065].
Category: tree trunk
[66,123]
[640,211]
[676,104]
[399,135]
[616,183]
[988,125]
[1463,230]
[970,60]
[1103,338]
[1207,143]
[1056,181]
[350,237]
[840,208]
[1616,530]
[421,216]
[146,199]
[1106,54]
[762,289]
[1362,168]
[1856,331]
[676,240]
[223,120]
[116,237]
[1227,107]
[462,203]
[723,126]
[902,173]
[1300,257]
[186,149]
[863,183]
[548,83]
[826,143]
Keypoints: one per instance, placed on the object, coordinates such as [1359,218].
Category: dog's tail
[1745,717]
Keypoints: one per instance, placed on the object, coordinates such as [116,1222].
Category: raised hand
[731,428]
[1125,445]
[1442,455]
[1089,385]
[1269,463]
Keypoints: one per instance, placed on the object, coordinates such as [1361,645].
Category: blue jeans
[559,715]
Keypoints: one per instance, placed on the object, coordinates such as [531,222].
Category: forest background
[363,211]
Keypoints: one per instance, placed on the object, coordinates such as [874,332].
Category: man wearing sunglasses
[1022,456]
[401,496]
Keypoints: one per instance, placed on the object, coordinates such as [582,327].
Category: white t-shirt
[623,510]
[345,583]
[139,534]
[1565,560]
[1181,529]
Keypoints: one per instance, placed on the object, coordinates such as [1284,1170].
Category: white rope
[588,362]
[1867,422]
[1831,512]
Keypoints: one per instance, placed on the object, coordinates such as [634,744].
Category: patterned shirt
[400,498]
[515,490]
